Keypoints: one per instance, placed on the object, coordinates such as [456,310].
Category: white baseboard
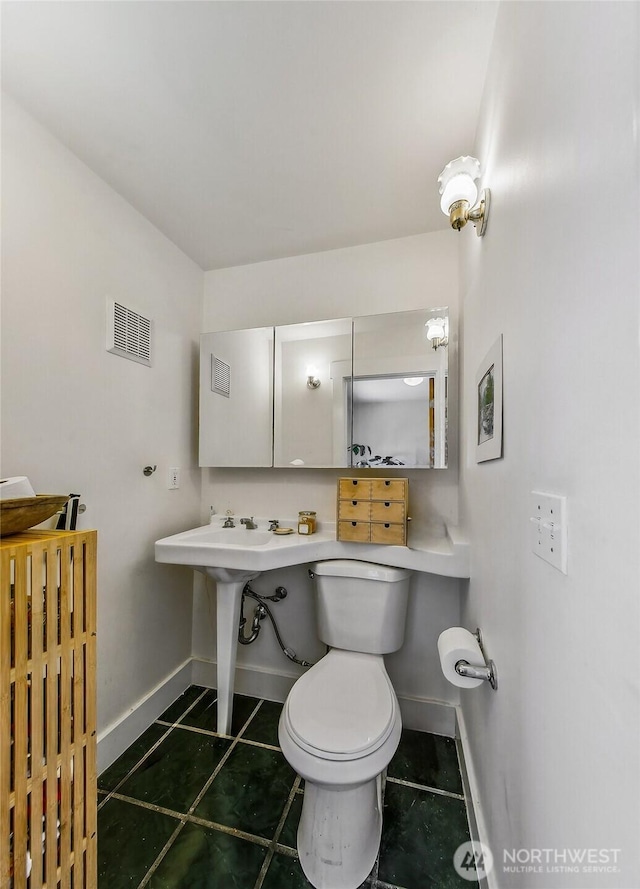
[424,715]
[417,713]
[255,681]
[475,812]
[115,738]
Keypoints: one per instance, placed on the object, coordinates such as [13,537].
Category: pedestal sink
[229,584]
[231,557]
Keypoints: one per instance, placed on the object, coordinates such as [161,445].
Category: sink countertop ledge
[446,554]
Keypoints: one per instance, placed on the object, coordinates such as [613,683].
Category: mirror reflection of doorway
[392,413]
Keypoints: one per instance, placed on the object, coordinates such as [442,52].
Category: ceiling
[391,389]
[248,131]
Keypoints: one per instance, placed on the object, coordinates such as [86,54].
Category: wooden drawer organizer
[48,806]
[373,510]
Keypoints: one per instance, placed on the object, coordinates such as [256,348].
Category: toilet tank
[361,606]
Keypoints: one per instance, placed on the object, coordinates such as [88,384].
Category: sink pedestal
[229,586]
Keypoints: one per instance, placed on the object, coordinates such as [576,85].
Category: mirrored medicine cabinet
[350,392]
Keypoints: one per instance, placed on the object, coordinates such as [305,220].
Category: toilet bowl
[341,724]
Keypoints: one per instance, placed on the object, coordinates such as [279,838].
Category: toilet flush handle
[311,574]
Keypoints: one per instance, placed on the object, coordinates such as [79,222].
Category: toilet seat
[344,708]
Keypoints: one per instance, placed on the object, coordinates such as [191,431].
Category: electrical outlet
[174,478]
[548,524]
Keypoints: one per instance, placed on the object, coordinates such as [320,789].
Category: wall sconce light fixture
[438,331]
[312,377]
[460,194]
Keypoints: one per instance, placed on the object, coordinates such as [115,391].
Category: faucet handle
[273,524]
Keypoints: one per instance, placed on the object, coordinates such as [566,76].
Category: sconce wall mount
[461,201]
[437,331]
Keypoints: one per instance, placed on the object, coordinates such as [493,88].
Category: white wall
[408,273]
[401,432]
[556,749]
[75,418]
[304,426]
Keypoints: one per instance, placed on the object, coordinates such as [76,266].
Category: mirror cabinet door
[313,370]
[400,390]
[236,398]
[362,392]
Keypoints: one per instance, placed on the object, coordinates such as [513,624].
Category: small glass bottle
[306,522]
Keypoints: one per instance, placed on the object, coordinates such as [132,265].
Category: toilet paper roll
[457,644]
[15,487]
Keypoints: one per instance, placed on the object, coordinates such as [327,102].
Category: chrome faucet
[228,522]
[273,524]
[249,524]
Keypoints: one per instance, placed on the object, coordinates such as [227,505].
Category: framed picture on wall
[489,405]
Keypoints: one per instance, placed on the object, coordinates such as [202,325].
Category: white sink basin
[237,548]
[233,537]
[213,547]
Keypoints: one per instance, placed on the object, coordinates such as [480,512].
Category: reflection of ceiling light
[312,377]
[413,381]
[438,331]
[460,193]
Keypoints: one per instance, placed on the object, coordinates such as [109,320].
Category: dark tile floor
[185,808]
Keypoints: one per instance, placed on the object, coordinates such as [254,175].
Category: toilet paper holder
[488,673]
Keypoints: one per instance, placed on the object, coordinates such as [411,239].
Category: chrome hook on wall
[149,470]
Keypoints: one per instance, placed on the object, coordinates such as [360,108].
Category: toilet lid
[344,707]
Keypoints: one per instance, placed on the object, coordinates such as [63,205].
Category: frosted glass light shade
[457,182]
[313,381]
[436,328]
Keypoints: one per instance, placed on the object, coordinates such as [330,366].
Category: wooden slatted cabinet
[48,805]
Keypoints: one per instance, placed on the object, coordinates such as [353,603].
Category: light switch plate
[548,524]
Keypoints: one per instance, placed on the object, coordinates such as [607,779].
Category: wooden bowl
[25,512]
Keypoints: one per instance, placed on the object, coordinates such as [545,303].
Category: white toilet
[340,724]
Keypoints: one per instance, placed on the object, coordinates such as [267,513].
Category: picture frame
[489,405]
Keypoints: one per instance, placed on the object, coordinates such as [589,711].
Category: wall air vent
[220,376]
[128,333]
